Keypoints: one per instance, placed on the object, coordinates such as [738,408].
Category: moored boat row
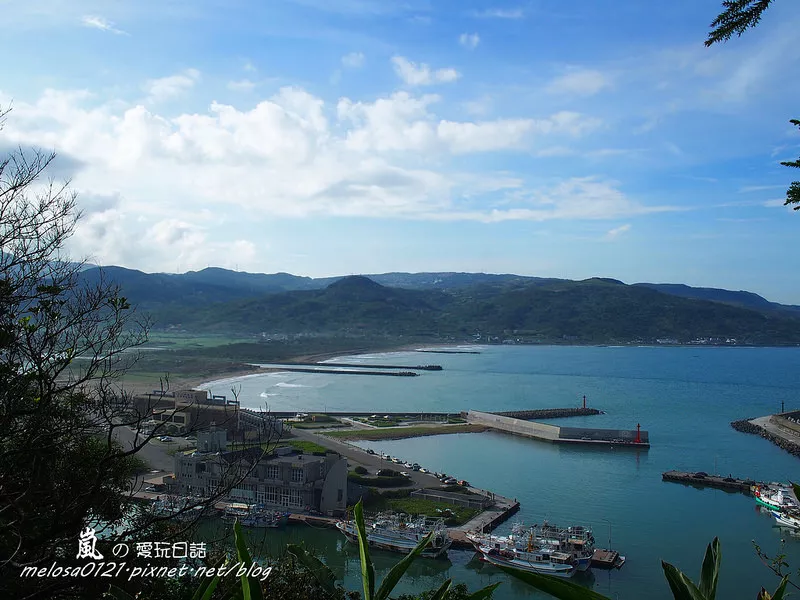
[781,503]
[400,533]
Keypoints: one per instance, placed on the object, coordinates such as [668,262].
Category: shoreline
[319,357]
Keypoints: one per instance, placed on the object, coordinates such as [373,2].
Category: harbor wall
[607,435]
[549,413]
[512,425]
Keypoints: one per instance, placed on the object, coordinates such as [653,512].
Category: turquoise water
[685,397]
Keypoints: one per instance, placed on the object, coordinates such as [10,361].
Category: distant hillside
[453,306]
[591,311]
[738,298]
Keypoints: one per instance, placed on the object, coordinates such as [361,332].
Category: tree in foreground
[64,344]
[738,17]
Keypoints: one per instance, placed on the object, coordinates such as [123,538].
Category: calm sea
[685,397]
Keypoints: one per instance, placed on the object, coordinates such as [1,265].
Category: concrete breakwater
[706,480]
[335,371]
[549,413]
[745,426]
[562,435]
[449,351]
[358,366]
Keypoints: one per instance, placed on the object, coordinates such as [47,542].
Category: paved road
[775,430]
[373,462]
[155,453]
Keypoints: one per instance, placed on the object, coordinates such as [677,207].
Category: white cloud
[243,85]
[354,60]
[479,106]
[403,122]
[422,74]
[165,88]
[578,198]
[775,202]
[288,156]
[614,233]
[483,137]
[469,40]
[499,13]
[582,82]
[101,23]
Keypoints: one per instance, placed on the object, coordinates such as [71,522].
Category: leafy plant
[325,576]
[681,586]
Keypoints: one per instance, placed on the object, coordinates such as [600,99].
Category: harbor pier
[701,479]
[562,435]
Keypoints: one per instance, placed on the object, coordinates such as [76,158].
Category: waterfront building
[195,410]
[283,477]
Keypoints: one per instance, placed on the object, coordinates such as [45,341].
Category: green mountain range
[455,306]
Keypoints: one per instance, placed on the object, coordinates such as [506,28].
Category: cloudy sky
[327,137]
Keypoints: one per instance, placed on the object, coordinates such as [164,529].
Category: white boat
[178,508]
[541,560]
[787,519]
[399,533]
[254,515]
[576,541]
[780,499]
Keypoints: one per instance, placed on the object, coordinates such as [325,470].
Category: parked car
[404,474]
[165,438]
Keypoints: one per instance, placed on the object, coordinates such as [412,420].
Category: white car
[165,438]
[404,474]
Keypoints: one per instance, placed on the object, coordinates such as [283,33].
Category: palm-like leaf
[318,569]
[367,570]
[251,587]
[442,591]
[397,571]
[709,574]
[484,593]
[779,593]
[559,588]
[682,587]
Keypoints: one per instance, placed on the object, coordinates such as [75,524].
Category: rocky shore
[745,426]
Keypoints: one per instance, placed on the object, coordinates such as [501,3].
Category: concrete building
[196,410]
[283,478]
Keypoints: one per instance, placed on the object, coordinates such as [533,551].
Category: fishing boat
[400,533]
[779,500]
[538,560]
[180,509]
[254,515]
[576,541]
[787,518]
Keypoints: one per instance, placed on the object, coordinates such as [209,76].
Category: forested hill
[495,308]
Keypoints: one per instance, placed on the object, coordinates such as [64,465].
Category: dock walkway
[485,521]
[716,481]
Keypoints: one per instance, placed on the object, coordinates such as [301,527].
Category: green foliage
[379,482]
[681,586]
[563,589]
[458,515]
[361,470]
[251,587]
[793,194]
[399,433]
[367,570]
[738,16]
[318,569]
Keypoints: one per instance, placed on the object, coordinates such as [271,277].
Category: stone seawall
[745,426]
[549,413]
[517,426]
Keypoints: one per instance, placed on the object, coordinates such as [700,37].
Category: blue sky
[327,137]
